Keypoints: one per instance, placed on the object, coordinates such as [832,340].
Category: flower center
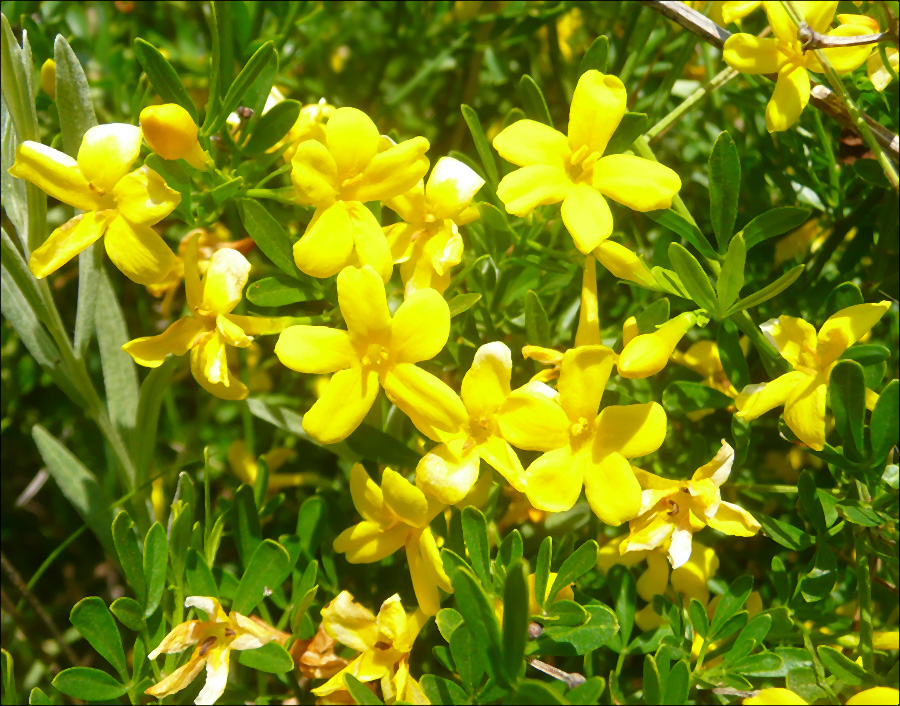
[580,430]
[581,165]
[480,428]
[809,359]
[376,356]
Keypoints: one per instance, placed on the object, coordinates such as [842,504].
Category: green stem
[766,488]
[717,81]
[774,364]
[864,592]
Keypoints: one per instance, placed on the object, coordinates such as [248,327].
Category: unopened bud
[624,263]
[48,78]
[647,354]
[172,134]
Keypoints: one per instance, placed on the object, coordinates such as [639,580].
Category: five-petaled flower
[119,203]
[211,325]
[812,355]
[375,348]
[215,638]
[572,169]
[354,165]
[427,242]
[396,515]
[784,55]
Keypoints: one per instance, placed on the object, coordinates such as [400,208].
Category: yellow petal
[755,400]
[782,25]
[734,520]
[392,172]
[448,472]
[364,305]
[611,488]
[179,638]
[404,499]
[792,337]
[582,379]
[553,481]
[751,55]
[624,263]
[208,605]
[692,578]
[500,455]
[326,247]
[260,325]
[369,242]
[67,241]
[144,198]
[632,430]
[641,184]
[216,674]
[151,351]
[598,105]
[877,71]
[431,557]
[648,353]
[844,59]
[789,98]
[818,14]
[315,349]
[528,142]
[391,619]
[649,531]
[424,585]
[367,496]
[107,153]
[138,251]
[527,188]
[410,205]
[877,696]
[451,187]
[224,283]
[532,419]
[314,174]
[420,327]
[719,468]
[349,623]
[774,697]
[352,140]
[342,407]
[734,11]
[432,406]
[654,580]
[587,217]
[804,411]
[180,678]
[193,289]
[845,328]
[56,174]
[231,333]
[486,385]
[209,366]
[366,542]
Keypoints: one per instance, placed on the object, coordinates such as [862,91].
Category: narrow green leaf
[817,581]
[481,144]
[200,580]
[73,97]
[693,278]
[538,693]
[477,543]
[90,262]
[533,101]
[767,292]
[677,684]
[462,302]
[268,567]
[867,354]
[731,602]
[731,279]
[537,325]
[311,525]
[156,553]
[163,77]
[271,658]
[92,619]
[842,667]
[631,127]
[669,282]
[575,566]
[749,638]
[687,230]
[277,291]
[847,385]
[430,66]
[129,553]
[724,187]
[129,612]
[9,677]
[247,532]
[761,663]
[542,571]
[272,126]
[623,589]
[885,421]
[809,501]
[359,692]
[651,685]
[442,691]
[515,619]
[580,639]
[268,235]
[650,317]
[35,698]
[565,613]
[478,613]
[774,222]
[261,59]
[468,658]
[732,355]
[596,56]
[88,684]
[699,619]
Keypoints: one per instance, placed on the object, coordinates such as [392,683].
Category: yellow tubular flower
[624,264]
[246,467]
[48,78]
[703,358]
[396,515]
[647,354]
[783,55]
[427,243]
[172,133]
[215,638]
[776,697]
[211,325]
[812,355]
[121,204]
[582,447]
[384,642]
[573,170]
[354,165]
[671,510]
[449,470]
[588,331]
[375,348]
[878,696]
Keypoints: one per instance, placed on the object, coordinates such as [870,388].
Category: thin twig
[810,39]
[572,679]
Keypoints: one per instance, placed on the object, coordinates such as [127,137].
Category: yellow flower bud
[647,354]
[48,78]
[172,134]
[624,264]
[629,330]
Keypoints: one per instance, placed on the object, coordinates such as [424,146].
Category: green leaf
[699,619]
[515,619]
[684,397]
[847,387]
[223,192]
[767,292]
[447,621]
[92,619]
[478,613]
[150,400]
[730,603]
[650,317]
[260,61]
[542,571]
[531,691]
[652,685]
[462,302]
[73,97]
[77,484]
[732,355]
[35,698]
[271,658]
[885,421]
[632,126]
[200,580]
[843,296]
[442,691]
[575,566]
[869,170]
[88,684]
[129,553]
[272,126]
[129,612]
[693,278]
[817,582]
[374,444]
[477,543]
[276,291]
[537,324]
[268,567]
[785,534]
[760,663]
[842,667]
[247,532]
[687,230]
[269,236]
[623,589]
[359,692]
[724,188]
[481,144]
[565,613]
[569,641]
[156,553]
[749,638]
[510,549]
[163,77]
[9,679]
[311,525]
[468,658]
[776,221]
[809,501]
[867,354]
[669,282]
[533,101]
[678,682]
[588,693]
[596,56]
[731,279]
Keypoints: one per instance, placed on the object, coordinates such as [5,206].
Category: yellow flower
[724,13]
[876,69]
[647,354]
[396,515]
[449,470]
[776,697]
[310,125]
[375,348]
[802,391]
[783,55]
[572,169]
[427,243]
[582,447]
[878,696]
[703,358]
[544,356]
[172,133]
[808,237]
[671,510]
[245,466]
[121,204]
[48,78]
[384,642]
[215,638]
[567,26]
[354,165]
[210,326]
